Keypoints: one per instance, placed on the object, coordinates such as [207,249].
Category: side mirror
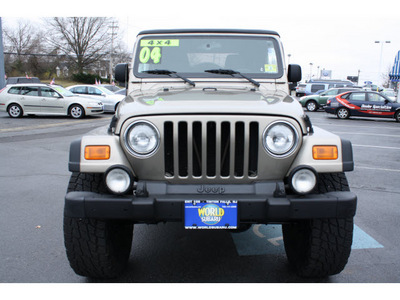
[294,73]
[122,73]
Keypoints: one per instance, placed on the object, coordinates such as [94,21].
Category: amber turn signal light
[325,152]
[97,152]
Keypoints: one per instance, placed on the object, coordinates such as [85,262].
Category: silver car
[43,99]
[98,92]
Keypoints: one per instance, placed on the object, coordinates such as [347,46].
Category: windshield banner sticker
[146,53]
[159,43]
[270,68]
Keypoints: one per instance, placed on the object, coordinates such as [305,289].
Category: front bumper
[259,203]
[330,110]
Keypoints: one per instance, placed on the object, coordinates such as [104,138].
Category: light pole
[113,34]
[311,64]
[380,59]
[2,72]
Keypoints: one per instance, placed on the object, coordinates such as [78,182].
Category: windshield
[389,93]
[191,55]
[63,91]
[105,90]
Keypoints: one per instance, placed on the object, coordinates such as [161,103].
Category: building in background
[394,75]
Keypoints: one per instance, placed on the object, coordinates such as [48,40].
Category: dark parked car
[363,104]
[313,102]
[111,87]
[15,80]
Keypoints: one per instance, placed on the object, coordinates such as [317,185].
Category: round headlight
[280,138]
[118,181]
[142,138]
[303,180]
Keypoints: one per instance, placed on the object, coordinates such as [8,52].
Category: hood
[209,101]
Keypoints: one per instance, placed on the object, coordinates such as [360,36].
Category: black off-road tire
[96,248]
[320,247]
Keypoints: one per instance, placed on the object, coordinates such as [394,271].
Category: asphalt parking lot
[34,177]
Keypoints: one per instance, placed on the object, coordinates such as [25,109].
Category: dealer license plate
[211,214]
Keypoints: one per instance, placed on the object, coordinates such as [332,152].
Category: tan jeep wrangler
[209,136]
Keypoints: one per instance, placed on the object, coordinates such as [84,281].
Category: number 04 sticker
[147,53]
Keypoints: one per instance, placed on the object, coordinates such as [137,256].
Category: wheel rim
[14,111]
[76,112]
[311,106]
[342,113]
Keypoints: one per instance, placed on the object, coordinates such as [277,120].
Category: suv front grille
[211,149]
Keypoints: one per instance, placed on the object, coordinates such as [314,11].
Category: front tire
[15,111]
[96,248]
[320,247]
[397,116]
[343,113]
[311,106]
[76,111]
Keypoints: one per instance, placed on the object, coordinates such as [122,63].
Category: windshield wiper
[169,73]
[232,72]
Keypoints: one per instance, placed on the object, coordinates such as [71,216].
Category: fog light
[118,181]
[303,181]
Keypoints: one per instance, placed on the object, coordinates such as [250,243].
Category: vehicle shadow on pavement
[168,253]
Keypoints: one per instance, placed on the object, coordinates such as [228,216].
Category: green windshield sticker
[270,68]
[152,101]
[159,43]
[146,53]
[58,89]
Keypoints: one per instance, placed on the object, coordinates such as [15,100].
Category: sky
[334,35]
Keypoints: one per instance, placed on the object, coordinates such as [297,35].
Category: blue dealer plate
[210,214]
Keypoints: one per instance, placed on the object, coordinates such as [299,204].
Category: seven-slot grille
[216,149]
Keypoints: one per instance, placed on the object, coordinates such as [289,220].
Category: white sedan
[100,93]
[40,99]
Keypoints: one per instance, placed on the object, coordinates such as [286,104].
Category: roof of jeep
[240,31]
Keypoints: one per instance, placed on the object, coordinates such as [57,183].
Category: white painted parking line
[45,126]
[368,127]
[268,239]
[377,169]
[379,147]
[367,133]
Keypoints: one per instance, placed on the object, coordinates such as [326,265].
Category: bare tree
[21,41]
[84,40]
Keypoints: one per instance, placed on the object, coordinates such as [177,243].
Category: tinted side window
[317,87]
[48,92]
[332,92]
[376,98]
[94,91]
[14,90]
[357,96]
[79,90]
[11,80]
[30,91]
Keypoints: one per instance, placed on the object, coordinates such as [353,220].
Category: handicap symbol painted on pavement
[268,239]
